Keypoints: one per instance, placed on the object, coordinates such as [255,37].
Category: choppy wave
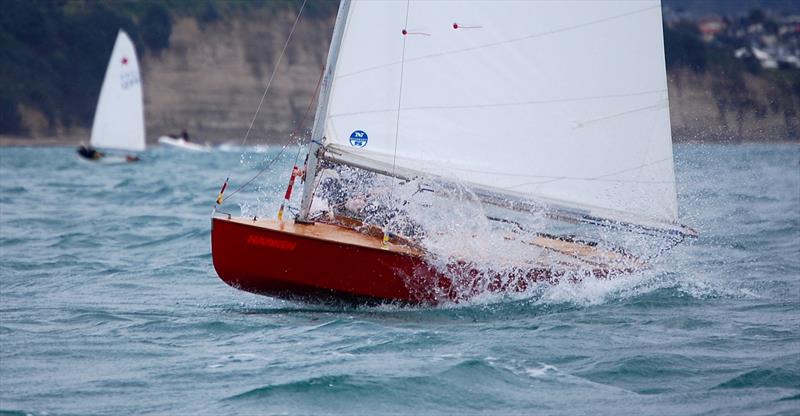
[110,305]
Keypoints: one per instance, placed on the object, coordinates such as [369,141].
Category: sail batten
[553,100]
[119,116]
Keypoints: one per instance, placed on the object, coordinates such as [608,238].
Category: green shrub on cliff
[156,27]
[54,52]
[54,56]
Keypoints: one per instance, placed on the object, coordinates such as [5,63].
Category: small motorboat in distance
[183,142]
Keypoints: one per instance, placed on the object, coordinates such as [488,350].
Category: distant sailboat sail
[559,102]
[119,117]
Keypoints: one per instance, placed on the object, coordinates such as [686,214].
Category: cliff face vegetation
[205,67]
[204,64]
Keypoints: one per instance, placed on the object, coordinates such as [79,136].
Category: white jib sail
[553,100]
[119,116]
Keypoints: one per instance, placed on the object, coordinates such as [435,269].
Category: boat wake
[106,160]
[646,289]
[230,147]
[501,252]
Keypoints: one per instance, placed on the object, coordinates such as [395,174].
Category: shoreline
[16,141]
[19,141]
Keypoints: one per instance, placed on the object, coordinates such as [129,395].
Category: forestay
[119,117]
[558,101]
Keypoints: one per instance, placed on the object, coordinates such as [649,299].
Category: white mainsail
[563,102]
[119,116]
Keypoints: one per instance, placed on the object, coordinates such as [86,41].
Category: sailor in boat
[350,202]
[89,152]
[183,136]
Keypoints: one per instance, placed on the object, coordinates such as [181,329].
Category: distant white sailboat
[535,106]
[119,116]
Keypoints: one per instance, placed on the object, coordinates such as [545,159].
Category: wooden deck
[329,232]
[570,254]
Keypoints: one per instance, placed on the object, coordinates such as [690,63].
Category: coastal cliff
[210,76]
[211,79]
[714,107]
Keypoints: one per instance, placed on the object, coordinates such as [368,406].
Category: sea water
[109,304]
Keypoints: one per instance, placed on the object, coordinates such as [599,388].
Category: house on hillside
[710,27]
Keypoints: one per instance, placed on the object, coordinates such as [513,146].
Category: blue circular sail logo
[358,138]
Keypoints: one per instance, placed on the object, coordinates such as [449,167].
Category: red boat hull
[306,261]
[291,265]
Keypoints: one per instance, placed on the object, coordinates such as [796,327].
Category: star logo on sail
[358,138]
[124,60]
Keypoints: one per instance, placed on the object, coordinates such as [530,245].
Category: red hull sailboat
[541,107]
[271,257]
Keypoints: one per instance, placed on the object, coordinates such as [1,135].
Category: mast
[318,130]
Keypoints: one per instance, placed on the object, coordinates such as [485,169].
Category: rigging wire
[220,198]
[295,170]
[405,34]
[294,133]
[314,96]
[274,71]
[400,93]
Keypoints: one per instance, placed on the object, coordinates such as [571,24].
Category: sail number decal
[128,79]
[358,138]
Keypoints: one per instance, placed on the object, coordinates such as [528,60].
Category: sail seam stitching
[274,71]
[560,100]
